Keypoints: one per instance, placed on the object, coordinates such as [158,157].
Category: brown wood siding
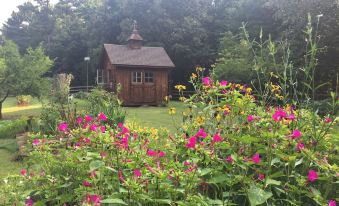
[138,94]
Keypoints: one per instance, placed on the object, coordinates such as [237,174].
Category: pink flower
[102,117]
[223,83]
[229,159]
[137,173]
[290,117]
[103,155]
[216,138]
[62,127]
[103,129]
[206,81]
[151,153]
[300,146]
[93,127]
[186,163]
[256,158]
[312,176]
[201,133]
[332,203]
[124,130]
[86,184]
[79,120]
[93,199]
[120,124]
[296,134]
[261,177]
[92,174]
[29,202]
[23,172]
[327,120]
[161,154]
[191,142]
[88,118]
[124,142]
[250,118]
[36,142]
[279,115]
[86,140]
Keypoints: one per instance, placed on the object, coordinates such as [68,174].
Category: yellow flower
[193,76]
[275,88]
[182,99]
[180,87]
[218,117]
[171,111]
[200,120]
[199,69]
[279,96]
[248,90]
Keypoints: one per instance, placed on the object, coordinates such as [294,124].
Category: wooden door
[142,87]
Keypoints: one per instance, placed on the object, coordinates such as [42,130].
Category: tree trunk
[1,110]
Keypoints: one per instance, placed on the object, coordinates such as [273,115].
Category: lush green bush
[23,100]
[229,151]
[9,128]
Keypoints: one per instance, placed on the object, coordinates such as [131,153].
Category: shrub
[229,151]
[9,128]
[23,100]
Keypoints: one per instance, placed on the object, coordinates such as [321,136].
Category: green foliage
[101,101]
[23,99]
[9,128]
[235,59]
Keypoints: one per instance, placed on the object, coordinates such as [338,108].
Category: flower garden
[229,150]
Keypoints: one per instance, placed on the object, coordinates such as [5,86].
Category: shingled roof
[145,56]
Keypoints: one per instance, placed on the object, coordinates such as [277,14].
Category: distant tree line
[193,32]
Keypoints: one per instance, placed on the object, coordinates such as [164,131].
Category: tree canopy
[191,31]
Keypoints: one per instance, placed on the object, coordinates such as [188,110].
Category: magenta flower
[223,83]
[229,159]
[151,153]
[79,120]
[88,118]
[93,127]
[124,142]
[120,124]
[261,177]
[201,133]
[327,120]
[256,158]
[216,138]
[161,154]
[92,174]
[279,115]
[137,173]
[290,117]
[191,142]
[102,117]
[29,202]
[296,134]
[23,172]
[93,199]
[332,203]
[187,163]
[250,118]
[312,175]
[86,140]
[300,146]
[36,142]
[124,130]
[86,184]
[62,127]
[206,81]
[103,129]
[103,155]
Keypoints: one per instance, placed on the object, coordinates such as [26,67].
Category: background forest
[193,32]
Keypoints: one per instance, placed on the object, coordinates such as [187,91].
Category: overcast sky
[8,6]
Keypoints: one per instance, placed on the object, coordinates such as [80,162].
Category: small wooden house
[141,71]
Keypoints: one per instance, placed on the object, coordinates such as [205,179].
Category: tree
[22,74]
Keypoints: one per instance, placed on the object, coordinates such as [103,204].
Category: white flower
[6,181]
[320,15]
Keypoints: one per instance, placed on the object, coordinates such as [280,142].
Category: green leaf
[257,195]
[96,164]
[298,162]
[217,179]
[114,201]
[163,201]
[272,182]
[206,171]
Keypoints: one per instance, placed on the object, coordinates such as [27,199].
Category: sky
[8,6]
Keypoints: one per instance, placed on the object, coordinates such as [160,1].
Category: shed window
[149,77]
[136,77]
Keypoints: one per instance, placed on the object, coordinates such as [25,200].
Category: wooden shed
[141,71]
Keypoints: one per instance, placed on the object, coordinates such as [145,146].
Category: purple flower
[29,202]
